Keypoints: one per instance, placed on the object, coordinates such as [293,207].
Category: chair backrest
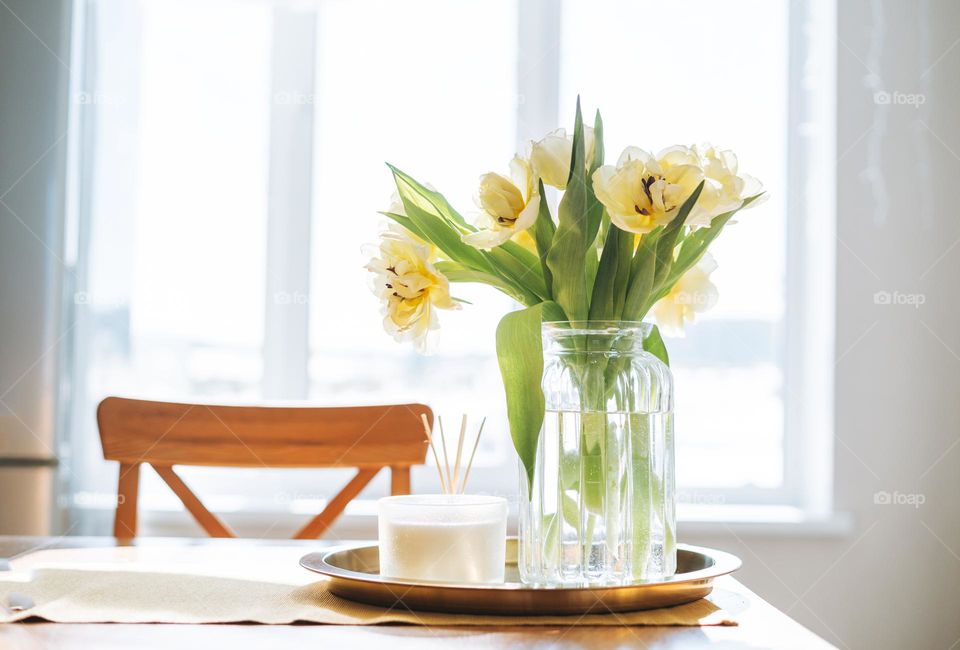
[163,434]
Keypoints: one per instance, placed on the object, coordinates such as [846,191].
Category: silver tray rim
[723,563]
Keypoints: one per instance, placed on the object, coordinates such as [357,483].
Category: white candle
[443,538]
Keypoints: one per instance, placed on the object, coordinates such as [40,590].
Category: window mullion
[286,334]
[538,69]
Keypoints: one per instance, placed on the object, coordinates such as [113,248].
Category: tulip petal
[487,239]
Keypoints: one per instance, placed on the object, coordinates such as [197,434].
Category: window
[228,170]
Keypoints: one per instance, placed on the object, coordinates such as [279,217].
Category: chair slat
[171,433]
[164,434]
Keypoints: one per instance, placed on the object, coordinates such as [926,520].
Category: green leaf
[668,240]
[603,301]
[444,236]
[695,245]
[594,207]
[641,277]
[693,248]
[430,200]
[458,273]
[520,354]
[598,152]
[591,264]
[405,222]
[519,266]
[567,257]
[622,280]
[522,255]
[543,232]
[653,343]
[596,223]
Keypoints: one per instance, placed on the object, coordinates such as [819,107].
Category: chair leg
[400,480]
[211,523]
[125,521]
[316,526]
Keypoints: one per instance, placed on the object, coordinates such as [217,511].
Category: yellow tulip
[640,194]
[550,156]
[642,191]
[725,190]
[508,205]
[410,288]
[693,293]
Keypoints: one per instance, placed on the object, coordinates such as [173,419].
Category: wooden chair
[164,434]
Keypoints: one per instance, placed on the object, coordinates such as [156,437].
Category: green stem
[645,492]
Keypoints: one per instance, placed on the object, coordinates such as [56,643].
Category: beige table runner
[251,584]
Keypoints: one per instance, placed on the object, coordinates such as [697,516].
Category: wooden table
[761,625]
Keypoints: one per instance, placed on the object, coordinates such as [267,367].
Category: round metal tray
[354,573]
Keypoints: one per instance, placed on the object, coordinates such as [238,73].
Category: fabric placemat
[252,584]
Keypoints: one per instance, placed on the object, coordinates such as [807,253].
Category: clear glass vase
[602,505]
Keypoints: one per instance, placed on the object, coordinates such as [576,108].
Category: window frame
[810,266]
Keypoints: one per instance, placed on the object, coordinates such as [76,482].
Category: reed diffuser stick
[456,466]
[446,460]
[436,458]
[473,453]
[450,482]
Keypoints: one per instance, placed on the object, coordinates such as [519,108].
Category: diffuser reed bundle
[452,482]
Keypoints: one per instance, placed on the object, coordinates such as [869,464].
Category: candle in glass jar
[452,538]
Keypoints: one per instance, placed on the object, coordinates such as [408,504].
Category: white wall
[895,582]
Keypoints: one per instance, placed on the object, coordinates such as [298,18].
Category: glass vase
[602,505]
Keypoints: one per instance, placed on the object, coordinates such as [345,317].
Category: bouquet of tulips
[623,240]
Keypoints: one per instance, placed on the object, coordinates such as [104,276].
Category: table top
[761,624]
